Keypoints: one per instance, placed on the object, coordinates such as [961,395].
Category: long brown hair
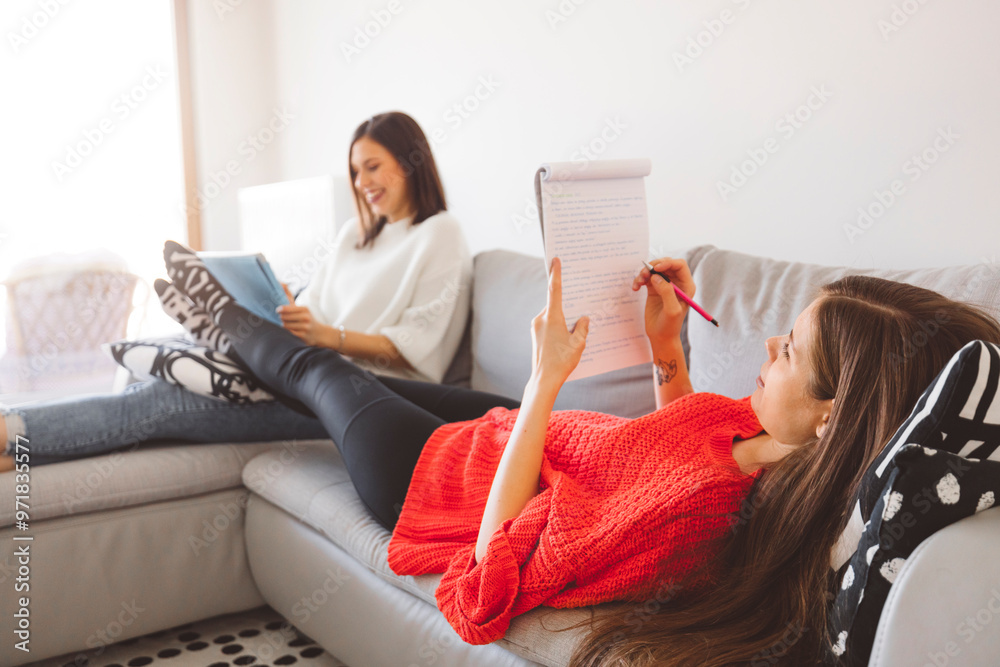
[879,344]
[400,135]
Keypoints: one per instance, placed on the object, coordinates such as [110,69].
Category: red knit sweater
[616,497]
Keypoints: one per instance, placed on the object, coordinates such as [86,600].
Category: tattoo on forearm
[665,371]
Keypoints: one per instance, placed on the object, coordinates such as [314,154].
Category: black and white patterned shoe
[195,320]
[190,275]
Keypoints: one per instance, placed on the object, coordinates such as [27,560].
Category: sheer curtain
[91,160]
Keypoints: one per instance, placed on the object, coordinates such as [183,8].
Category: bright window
[92,147]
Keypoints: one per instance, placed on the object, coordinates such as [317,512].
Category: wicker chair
[60,308]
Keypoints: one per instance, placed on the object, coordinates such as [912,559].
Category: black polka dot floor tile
[257,638]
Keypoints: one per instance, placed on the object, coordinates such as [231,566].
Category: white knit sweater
[411,285]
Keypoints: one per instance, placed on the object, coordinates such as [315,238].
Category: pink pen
[684,297]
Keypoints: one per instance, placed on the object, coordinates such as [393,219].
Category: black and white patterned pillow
[957,416]
[925,490]
[959,412]
[198,369]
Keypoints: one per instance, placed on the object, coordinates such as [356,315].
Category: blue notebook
[249,279]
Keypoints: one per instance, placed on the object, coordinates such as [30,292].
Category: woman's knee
[164,397]
[302,362]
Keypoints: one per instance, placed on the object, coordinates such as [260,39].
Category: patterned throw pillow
[959,413]
[925,490]
[929,475]
[198,369]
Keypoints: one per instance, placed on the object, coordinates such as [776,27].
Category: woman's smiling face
[783,402]
[379,180]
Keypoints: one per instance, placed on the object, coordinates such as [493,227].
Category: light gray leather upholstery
[160,526]
[944,608]
[123,479]
[127,572]
[335,599]
[754,298]
[314,489]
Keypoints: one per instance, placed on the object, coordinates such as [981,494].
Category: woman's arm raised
[555,353]
[664,318]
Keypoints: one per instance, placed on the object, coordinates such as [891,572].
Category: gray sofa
[139,541]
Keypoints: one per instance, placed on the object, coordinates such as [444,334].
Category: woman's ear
[824,418]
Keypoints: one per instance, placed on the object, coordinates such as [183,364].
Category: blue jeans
[146,412]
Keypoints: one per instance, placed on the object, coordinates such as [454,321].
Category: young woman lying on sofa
[410,330]
[568,508]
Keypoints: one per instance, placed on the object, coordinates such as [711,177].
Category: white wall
[559,85]
[234,97]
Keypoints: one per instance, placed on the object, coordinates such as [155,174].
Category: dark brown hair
[400,135]
[879,344]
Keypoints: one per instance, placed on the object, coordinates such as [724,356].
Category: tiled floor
[257,638]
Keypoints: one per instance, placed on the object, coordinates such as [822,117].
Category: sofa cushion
[111,575]
[311,483]
[932,610]
[508,290]
[126,478]
[459,371]
[754,298]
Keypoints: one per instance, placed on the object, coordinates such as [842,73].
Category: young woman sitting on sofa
[405,329]
[570,508]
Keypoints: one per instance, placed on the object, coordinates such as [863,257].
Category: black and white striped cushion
[958,413]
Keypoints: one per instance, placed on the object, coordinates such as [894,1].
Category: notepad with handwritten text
[594,218]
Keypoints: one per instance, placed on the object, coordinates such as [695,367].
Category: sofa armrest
[944,608]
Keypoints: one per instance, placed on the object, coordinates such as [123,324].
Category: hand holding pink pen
[682,296]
